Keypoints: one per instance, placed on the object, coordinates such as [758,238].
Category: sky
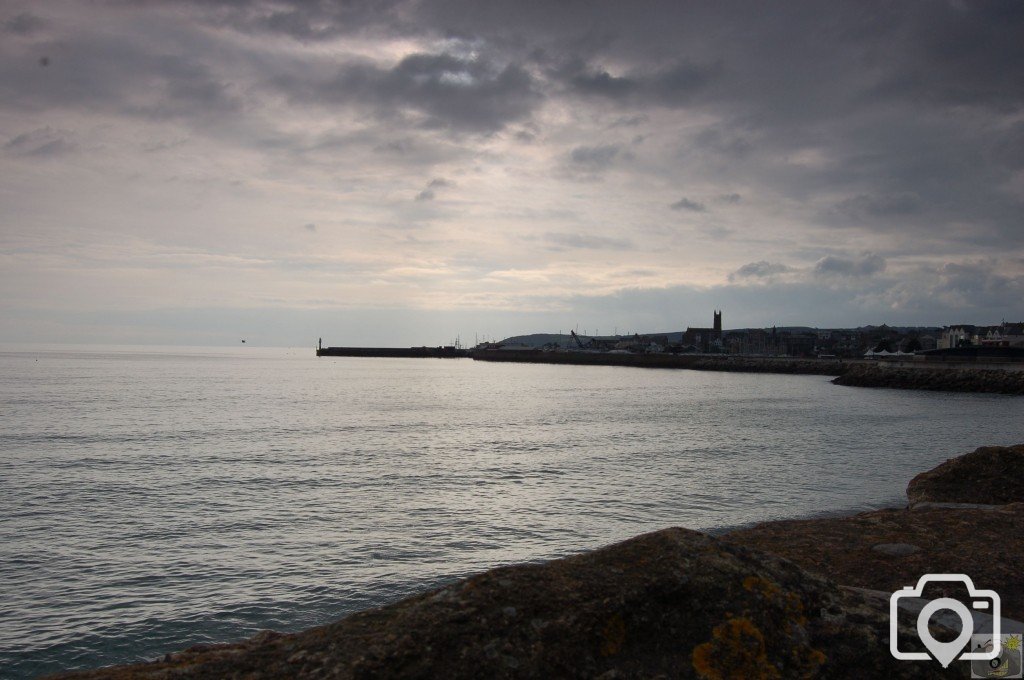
[403,173]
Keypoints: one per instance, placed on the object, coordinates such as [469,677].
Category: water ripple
[150,501]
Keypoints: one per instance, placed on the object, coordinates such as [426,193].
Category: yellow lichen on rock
[790,602]
[760,585]
[736,650]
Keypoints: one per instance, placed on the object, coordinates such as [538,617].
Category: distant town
[791,341]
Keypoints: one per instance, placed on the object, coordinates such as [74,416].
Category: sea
[153,498]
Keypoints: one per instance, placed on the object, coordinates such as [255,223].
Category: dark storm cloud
[960,54]
[685,203]
[452,92]
[670,87]
[866,265]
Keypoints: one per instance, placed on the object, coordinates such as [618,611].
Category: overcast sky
[400,173]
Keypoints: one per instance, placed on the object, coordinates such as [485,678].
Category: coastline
[917,373]
[785,596]
[987,377]
[697,362]
[1006,380]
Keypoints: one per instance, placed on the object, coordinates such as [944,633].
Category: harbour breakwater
[792,598]
[953,376]
[446,352]
[698,362]
[1003,380]
[915,374]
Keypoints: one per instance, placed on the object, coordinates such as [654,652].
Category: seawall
[1003,380]
[917,374]
[394,352]
[690,361]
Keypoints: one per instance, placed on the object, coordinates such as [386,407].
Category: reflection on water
[153,499]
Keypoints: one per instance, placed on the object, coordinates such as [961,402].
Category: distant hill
[565,340]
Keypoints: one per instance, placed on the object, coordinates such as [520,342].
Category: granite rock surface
[673,604]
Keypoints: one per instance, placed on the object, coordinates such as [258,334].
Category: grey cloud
[908,112]
[309,226]
[671,87]
[629,121]
[302,20]
[451,92]
[730,199]
[729,142]
[914,298]
[688,204]
[603,84]
[24,24]
[411,150]
[982,279]
[596,158]
[716,231]
[960,54]
[430,193]
[586,241]
[978,291]
[880,205]
[866,265]
[42,142]
[760,270]
[118,76]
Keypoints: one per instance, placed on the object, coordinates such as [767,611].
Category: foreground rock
[674,603]
[677,603]
[944,379]
[859,550]
[991,474]
[967,516]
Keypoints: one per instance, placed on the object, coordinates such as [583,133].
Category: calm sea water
[151,499]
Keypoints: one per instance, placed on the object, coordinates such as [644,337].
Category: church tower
[718,323]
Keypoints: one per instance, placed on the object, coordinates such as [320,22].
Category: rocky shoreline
[696,362]
[854,373]
[942,379]
[800,598]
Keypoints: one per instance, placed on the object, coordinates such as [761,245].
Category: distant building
[705,339]
[956,336]
[1003,335]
